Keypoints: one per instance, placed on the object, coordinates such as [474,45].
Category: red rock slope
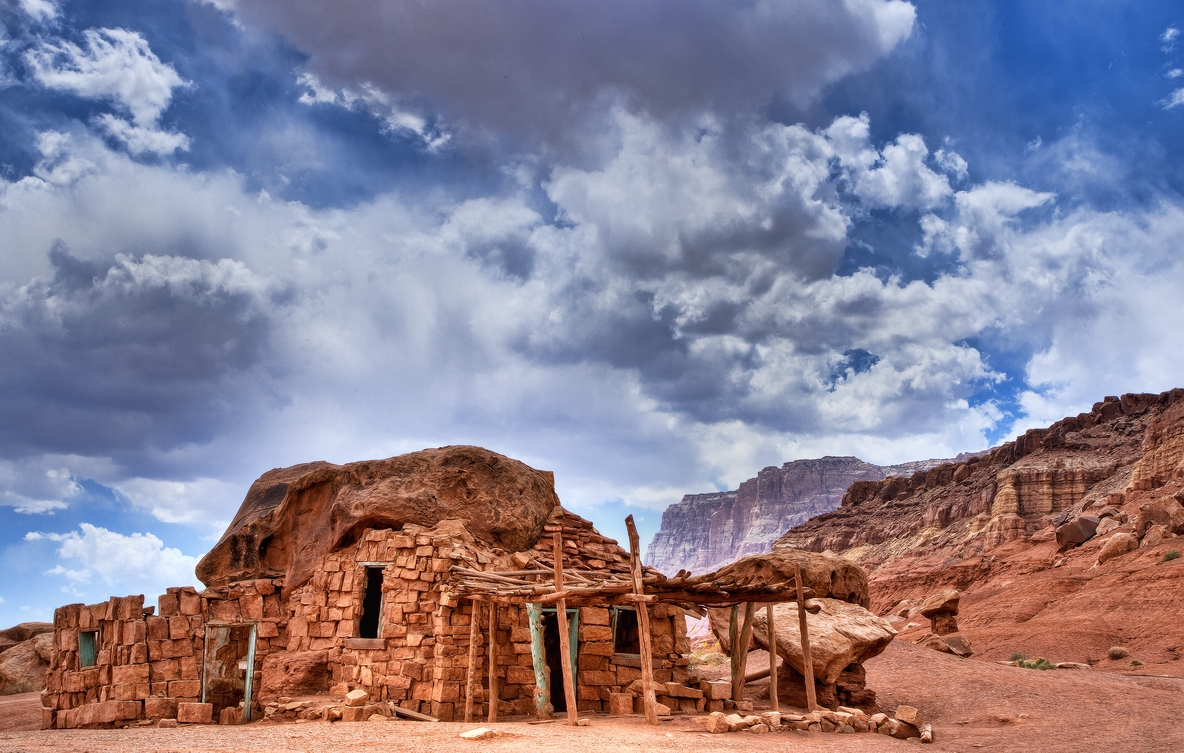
[988,527]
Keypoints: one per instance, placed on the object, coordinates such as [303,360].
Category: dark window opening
[88,649]
[371,620]
[626,638]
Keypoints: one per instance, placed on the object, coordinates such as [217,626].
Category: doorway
[229,667]
[551,649]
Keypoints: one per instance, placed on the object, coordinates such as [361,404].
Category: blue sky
[651,246]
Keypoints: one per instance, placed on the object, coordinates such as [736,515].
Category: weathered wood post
[741,646]
[643,623]
[474,640]
[538,659]
[569,680]
[811,697]
[733,637]
[772,644]
[493,692]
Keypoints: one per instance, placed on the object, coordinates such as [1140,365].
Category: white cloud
[116,65]
[1175,73]
[39,10]
[139,139]
[396,117]
[1175,99]
[1168,38]
[139,562]
[896,176]
[204,500]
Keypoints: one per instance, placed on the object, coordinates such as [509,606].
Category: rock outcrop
[25,652]
[704,531]
[1020,529]
[292,517]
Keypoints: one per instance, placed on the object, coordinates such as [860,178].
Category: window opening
[626,638]
[370,625]
[88,649]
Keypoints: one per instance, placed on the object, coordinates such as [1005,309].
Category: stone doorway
[228,667]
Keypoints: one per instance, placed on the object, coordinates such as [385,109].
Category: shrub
[1038,663]
[1017,656]
[1118,652]
[24,686]
[1171,554]
[1136,663]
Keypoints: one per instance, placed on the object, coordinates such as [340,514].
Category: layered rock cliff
[704,531]
[989,527]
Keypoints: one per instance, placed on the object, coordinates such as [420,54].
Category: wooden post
[733,638]
[771,642]
[538,658]
[471,673]
[811,697]
[493,692]
[741,645]
[569,680]
[643,627]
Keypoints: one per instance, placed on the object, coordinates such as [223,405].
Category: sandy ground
[973,706]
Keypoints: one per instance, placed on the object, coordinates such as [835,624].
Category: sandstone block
[184,688]
[1116,546]
[716,690]
[160,708]
[620,704]
[909,715]
[195,713]
[167,724]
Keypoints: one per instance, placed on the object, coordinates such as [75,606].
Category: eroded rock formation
[1003,528]
[704,531]
[292,517]
[25,651]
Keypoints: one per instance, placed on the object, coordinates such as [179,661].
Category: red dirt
[973,706]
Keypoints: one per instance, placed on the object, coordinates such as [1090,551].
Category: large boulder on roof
[292,517]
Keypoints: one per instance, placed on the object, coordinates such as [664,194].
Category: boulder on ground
[1118,545]
[1166,512]
[24,664]
[1077,531]
[1155,536]
[943,601]
[958,645]
[841,634]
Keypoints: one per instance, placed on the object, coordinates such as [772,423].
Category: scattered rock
[167,724]
[909,715]
[356,697]
[926,733]
[1118,545]
[717,722]
[1155,536]
[1077,531]
[481,733]
[1165,511]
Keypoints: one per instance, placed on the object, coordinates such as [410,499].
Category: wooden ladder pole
[811,696]
[745,643]
[474,654]
[772,644]
[493,692]
[643,624]
[569,680]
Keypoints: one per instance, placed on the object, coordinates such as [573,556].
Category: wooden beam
[569,680]
[811,697]
[471,672]
[744,643]
[493,692]
[650,702]
[733,639]
[771,642]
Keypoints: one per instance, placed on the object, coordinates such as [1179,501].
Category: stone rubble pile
[907,722]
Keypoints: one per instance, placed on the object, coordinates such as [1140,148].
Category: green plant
[1118,652]
[1038,663]
[24,686]
[1136,663]
[1017,656]
[1171,554]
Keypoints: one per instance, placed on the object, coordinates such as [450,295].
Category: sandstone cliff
[988,526]
[704,531]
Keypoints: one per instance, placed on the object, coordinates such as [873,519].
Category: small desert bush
[1039,663]
[24,686]
[1017,656]
[1118,652]
[1136,663]
[1171,554]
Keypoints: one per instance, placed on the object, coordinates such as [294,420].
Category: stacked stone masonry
[152,666]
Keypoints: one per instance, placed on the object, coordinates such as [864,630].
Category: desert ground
[973,705]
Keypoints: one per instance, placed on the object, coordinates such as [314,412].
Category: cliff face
[704,531]
[988,526]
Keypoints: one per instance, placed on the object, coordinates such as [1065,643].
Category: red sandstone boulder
[1165,511]
[1118,545]
[292,517]
[1077,531]
[23,665]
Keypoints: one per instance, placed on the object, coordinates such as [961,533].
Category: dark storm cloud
[105,358]
[535,66]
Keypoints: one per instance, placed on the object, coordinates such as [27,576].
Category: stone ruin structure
[390,577]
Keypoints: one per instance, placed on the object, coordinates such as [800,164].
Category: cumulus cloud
[119,66]
[1175,99]
[395,117]
[897,175]
[136,563]
[39,10]
[541,68]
